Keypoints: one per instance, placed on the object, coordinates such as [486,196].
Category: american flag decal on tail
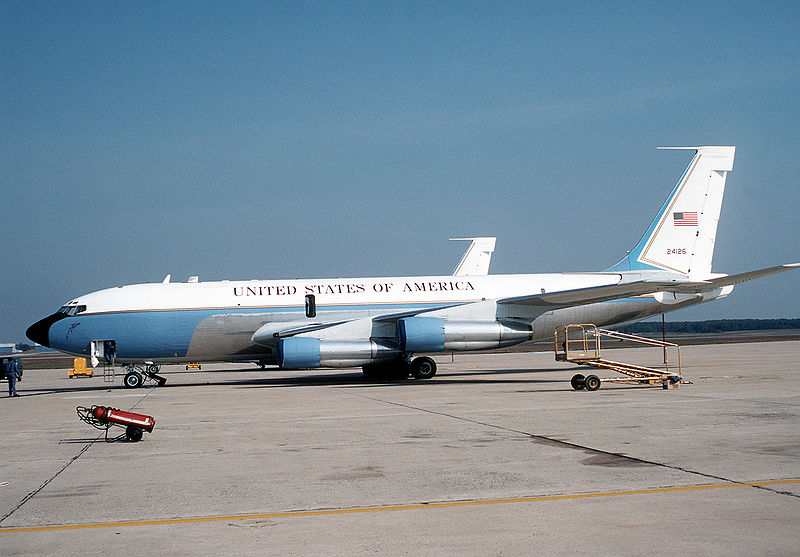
[685,218]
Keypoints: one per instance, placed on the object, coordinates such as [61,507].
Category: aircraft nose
[39,332]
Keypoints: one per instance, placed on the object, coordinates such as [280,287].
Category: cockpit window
[71,310]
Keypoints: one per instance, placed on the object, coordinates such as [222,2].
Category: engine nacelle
[435,334]
[307,352]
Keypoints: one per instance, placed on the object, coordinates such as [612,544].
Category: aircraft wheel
[592,383]
[153,368]
[578,382]
[132,380]
[133,433]
[423,368]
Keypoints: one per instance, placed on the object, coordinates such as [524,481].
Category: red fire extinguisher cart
[104,417]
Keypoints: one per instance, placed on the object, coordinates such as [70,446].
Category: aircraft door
[311,306]
[103,351]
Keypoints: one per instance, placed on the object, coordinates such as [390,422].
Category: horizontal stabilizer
[582,296]
[730,280]
[594,294]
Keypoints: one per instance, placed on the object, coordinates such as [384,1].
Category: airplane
[391,326]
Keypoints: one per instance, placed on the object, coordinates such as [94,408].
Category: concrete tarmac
[496,455]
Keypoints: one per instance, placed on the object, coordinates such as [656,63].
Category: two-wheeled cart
[104,417]
[580,344]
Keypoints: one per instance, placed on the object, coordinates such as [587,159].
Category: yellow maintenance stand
[80,369]
[580,344]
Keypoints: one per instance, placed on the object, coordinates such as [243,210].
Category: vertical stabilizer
[681,237]
[477,258]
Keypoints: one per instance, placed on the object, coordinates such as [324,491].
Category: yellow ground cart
[580,344]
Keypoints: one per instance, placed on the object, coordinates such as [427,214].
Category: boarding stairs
[580,344]
[108,372]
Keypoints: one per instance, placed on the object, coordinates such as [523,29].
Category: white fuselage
[217,321]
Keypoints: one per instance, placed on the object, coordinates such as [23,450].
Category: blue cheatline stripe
[168,333]
[394,307]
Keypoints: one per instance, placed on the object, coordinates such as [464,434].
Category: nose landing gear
[136,374]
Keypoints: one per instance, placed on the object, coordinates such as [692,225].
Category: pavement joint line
[85,448]
[374,509]
[579,447]
[104,396]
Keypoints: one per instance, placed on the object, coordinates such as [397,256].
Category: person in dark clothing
[110,351]
[12,374]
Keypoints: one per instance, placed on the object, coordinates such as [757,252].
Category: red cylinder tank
[115,416]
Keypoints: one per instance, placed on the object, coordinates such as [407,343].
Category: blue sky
[314,139]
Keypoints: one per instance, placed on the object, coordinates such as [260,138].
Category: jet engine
[435,334]
[414,334]
[308,352]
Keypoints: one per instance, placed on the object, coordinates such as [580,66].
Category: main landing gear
[419,368]
[423,368]
[136,374]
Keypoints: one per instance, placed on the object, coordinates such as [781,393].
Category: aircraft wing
[582,296]
[269,333]
[730,280]
[388,317]
[383,325]
[264,336]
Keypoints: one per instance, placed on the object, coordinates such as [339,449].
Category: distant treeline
[712,326]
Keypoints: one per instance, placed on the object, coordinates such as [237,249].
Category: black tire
[153,368]
[423,368]
[578,382]
[133,433]
[132,380]
[592,383]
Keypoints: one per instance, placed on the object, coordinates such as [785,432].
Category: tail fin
[681,237]
[477,258]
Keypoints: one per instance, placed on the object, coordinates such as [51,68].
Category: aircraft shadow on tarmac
[357,379]
[344,379]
